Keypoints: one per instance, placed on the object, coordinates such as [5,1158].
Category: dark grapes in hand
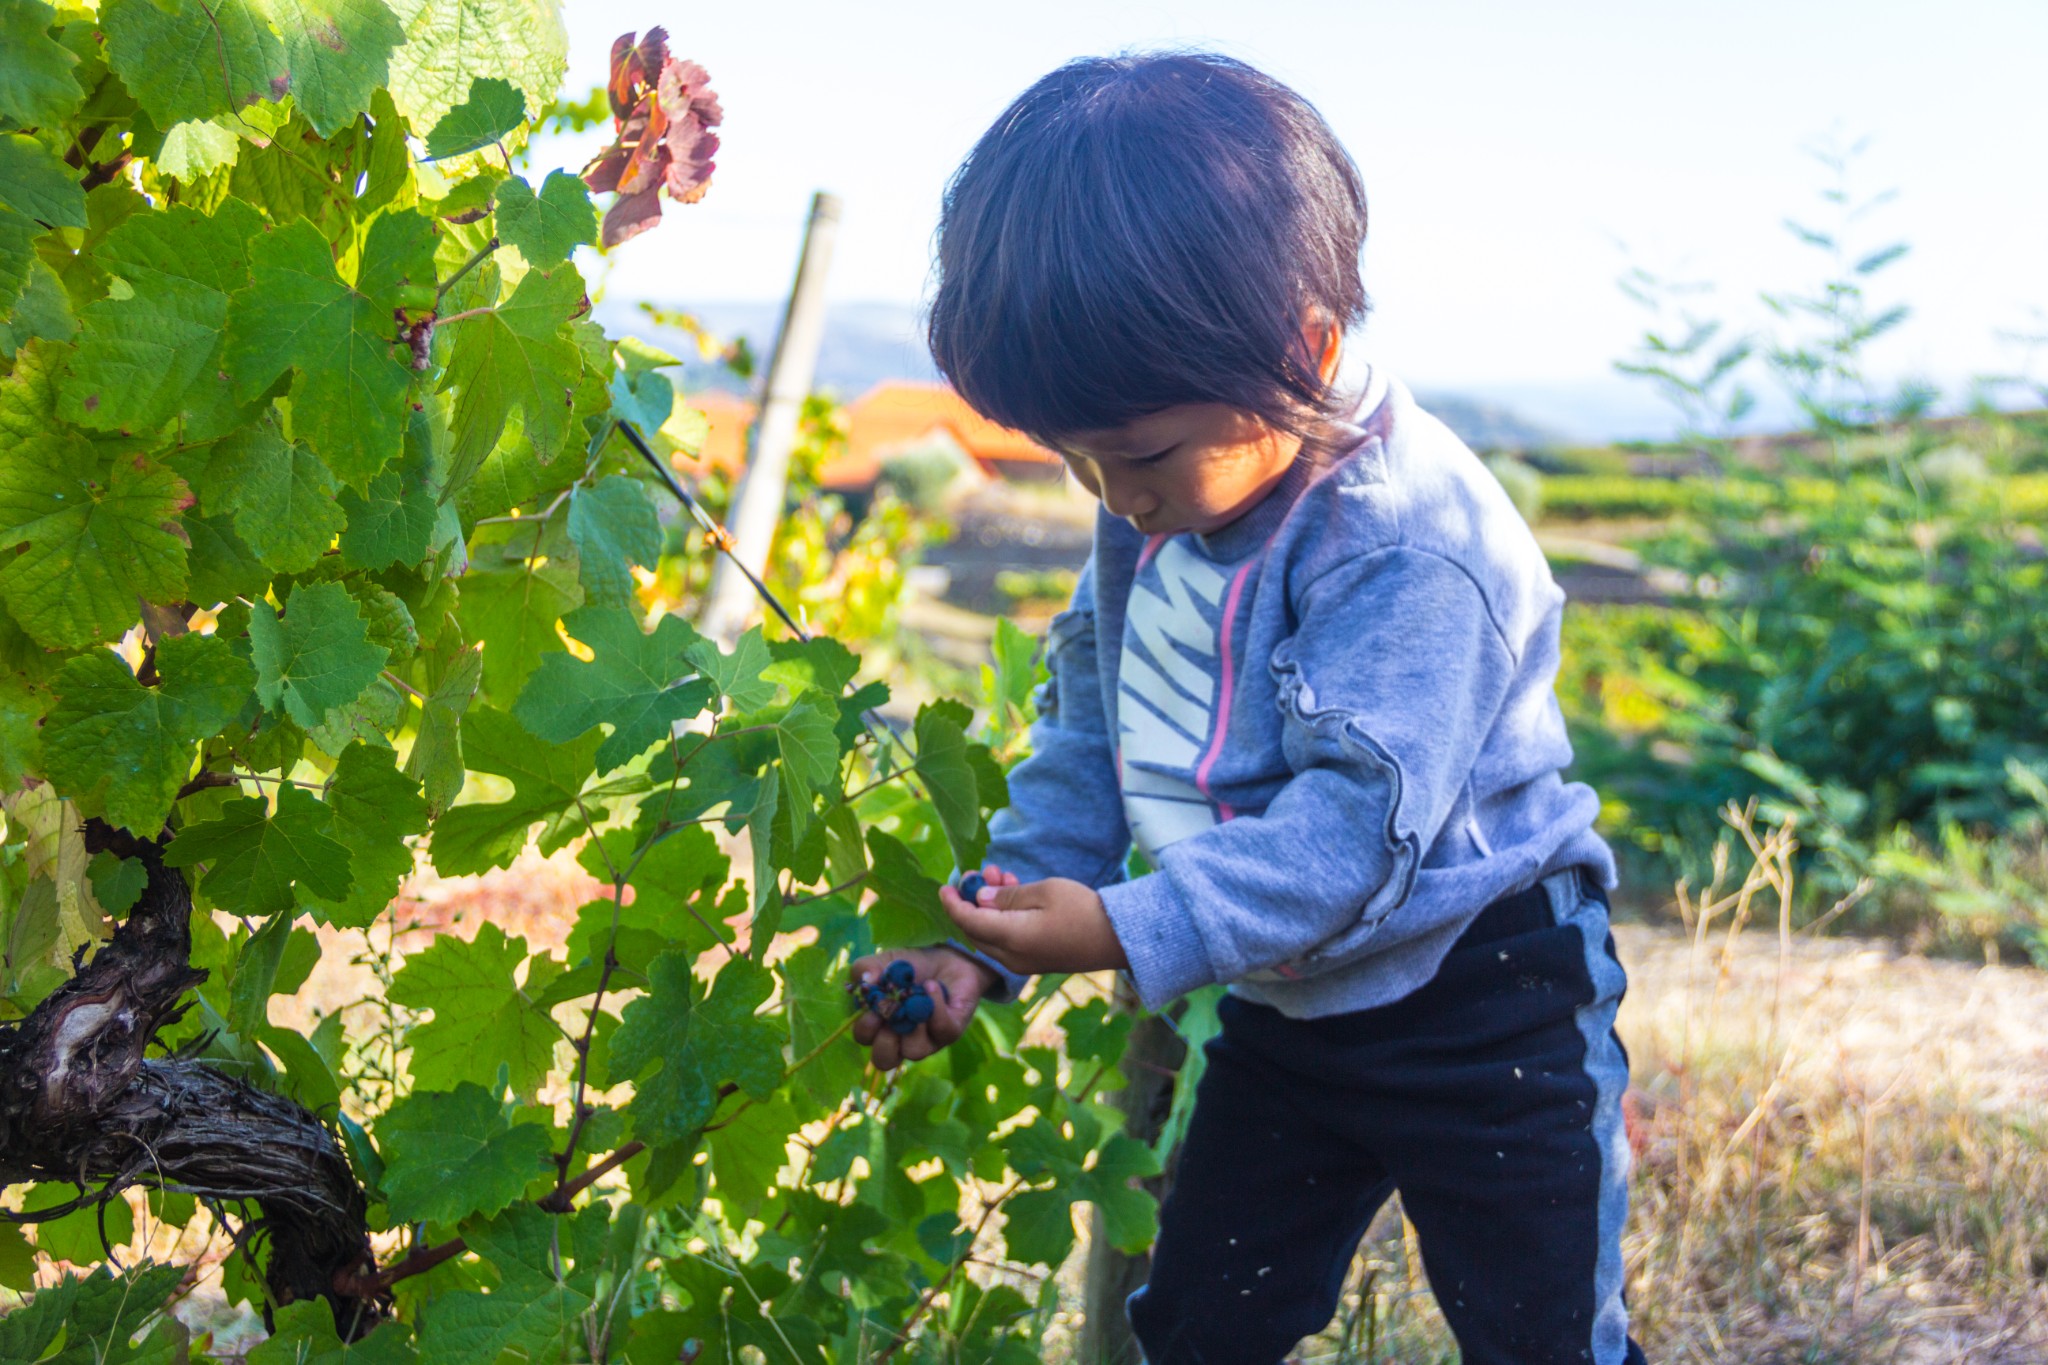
[970,888]
[899,975]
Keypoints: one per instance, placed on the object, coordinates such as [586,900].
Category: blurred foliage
[1866,646]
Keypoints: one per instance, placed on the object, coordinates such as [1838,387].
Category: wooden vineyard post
[757,505]
[1152,1058]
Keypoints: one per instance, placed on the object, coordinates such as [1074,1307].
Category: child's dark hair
[1141,231]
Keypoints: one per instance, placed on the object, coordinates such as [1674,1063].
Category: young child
[1308,671]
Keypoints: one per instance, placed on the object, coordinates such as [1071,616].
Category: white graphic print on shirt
[1167,695]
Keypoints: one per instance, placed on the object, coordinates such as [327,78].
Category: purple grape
[899,975]
[916,1008]
[970,888]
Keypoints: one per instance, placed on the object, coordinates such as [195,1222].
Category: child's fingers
[949,1020]
[867,1027]
[996,932]
[887,1052]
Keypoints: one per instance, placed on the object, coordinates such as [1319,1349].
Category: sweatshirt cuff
[1159,937]
[1009,985]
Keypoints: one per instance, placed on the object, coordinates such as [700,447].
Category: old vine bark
[80,1102]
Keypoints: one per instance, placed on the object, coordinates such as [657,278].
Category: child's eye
[1155,459]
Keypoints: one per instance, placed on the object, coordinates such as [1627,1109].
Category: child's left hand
[1056,925]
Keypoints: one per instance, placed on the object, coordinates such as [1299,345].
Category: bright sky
[1510,151]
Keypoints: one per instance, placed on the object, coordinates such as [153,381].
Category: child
[1308,672]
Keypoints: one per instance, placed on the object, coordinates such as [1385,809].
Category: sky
[1517,157]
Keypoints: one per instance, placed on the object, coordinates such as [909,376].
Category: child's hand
[1055,925]
[955,983]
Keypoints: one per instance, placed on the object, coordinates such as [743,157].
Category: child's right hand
[956,983]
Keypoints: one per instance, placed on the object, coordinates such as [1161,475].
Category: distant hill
[867,343]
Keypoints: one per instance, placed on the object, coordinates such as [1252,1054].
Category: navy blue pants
[1490,1098]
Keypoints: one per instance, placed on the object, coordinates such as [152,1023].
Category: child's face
[1195,467]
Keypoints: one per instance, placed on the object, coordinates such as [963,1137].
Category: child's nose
[1126,500]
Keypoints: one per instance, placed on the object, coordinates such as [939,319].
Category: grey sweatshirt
[1330,727]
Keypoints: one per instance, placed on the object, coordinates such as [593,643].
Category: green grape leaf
[675,885]
[82,538]
[17,255]
[256,858]
[634,682]
[814,992]
[613,526]
[737,675]
[546,227]
[305,1335]
[194,61]
[767,891]
[35,182]
[906,912]
[280,494]
[338,52]
[450,43]
[700,1045]
[492,109]
[315,657]
[451,1154]
[513,612]
[308,1077]
[154,356]
[547,779]
[821,664]
[44,311]
[515,356]
[805,737]
[117,882]
[221,566]
[747,1153]
[375,807]
[101,1315]
[1130,1216]
[195,148]
[436,758]
[36,84]
[75,1236]
[1040,1228]
[393,523]
[482,1019]
[948,776]
[348,401]
[120,749]
[209,60]
[537,1312]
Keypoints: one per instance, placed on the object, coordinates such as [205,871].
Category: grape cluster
[899,997]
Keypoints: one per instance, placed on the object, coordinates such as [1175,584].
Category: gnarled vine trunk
[80,1102]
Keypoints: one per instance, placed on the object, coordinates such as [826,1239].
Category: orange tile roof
[885,419]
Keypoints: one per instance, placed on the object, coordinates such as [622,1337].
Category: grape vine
[322,560]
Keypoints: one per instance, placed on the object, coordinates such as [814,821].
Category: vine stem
[483,253]
[465,315]
[846,885]
[938,1285]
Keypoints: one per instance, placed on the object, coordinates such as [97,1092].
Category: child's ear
[1321,338]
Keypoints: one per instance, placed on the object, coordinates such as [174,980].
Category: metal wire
[723,540]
